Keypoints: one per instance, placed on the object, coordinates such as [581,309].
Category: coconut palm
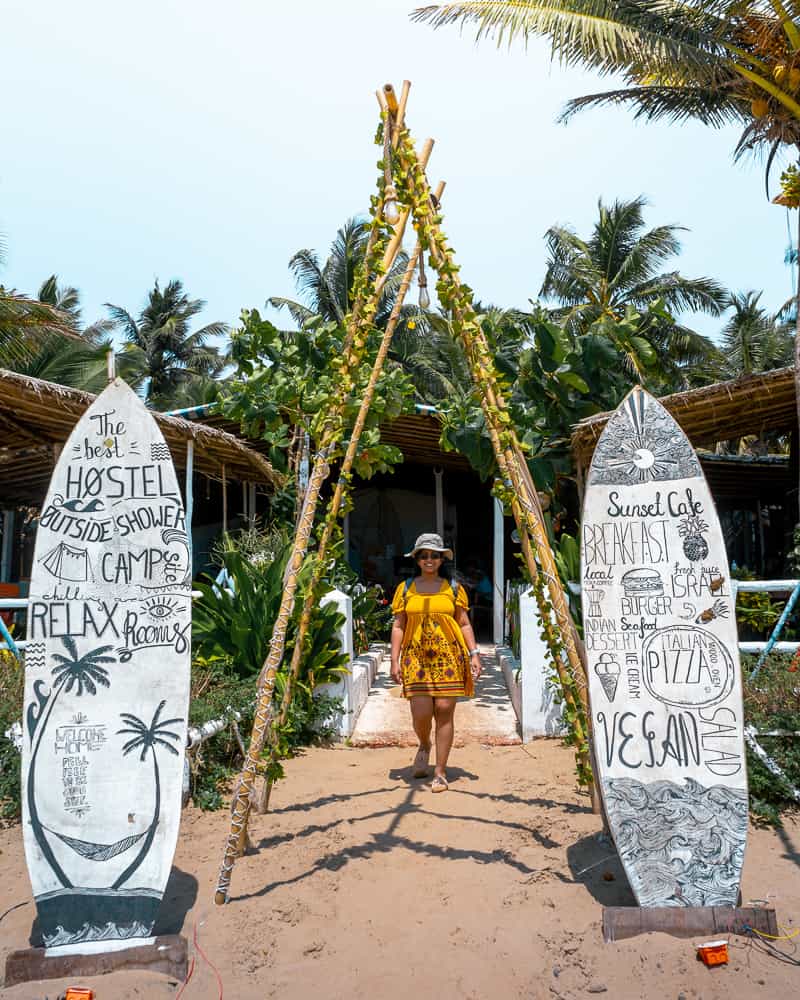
[67,299]
[613,284]
[719,61]
[161,358]
[147,738]
[84,673]
[327,289]
[26,324]
[754,340]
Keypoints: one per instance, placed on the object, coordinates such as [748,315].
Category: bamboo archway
[404,180]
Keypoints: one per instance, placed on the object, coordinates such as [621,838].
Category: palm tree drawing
[147,738]
[84,673]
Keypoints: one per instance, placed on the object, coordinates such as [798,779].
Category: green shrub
[12,683]
[773,702]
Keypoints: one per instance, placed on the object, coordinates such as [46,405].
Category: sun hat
[433,542]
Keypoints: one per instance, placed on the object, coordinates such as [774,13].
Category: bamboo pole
[391,98]
[331,433]
[341,487]
[400,117]
[400,227]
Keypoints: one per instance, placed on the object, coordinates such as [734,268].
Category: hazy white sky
[209,141]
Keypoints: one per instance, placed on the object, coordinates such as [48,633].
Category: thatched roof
[753,404]
[36,415]
[415,434]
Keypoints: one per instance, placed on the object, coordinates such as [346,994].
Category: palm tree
[167,363]
[77,360]
[327,289]
[26,324]
[67,299]
[753,340]
[605,283]
[717,61]
[84,673]
[147,738]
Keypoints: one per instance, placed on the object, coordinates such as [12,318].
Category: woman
[434,653]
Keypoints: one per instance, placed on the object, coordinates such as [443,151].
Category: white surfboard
[664,677]
[107,675]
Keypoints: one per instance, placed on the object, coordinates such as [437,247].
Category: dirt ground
[362,883]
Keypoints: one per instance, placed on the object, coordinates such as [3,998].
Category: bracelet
[472,652]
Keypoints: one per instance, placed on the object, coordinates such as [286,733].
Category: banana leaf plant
[236,622]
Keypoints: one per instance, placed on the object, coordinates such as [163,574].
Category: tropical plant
[67,299]
[285,381]
[753,340]
[612,284]
[720,62]
[236,621]
[169,365]
[327,289]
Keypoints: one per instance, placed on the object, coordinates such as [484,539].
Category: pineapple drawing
[691,531]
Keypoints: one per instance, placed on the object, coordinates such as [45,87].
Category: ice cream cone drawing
[607,669]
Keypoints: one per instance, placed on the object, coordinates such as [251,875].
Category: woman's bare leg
[422,718]
[444,710]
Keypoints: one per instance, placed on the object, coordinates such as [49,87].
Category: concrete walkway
[487,718]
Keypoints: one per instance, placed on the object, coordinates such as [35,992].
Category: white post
[343,688]
[498,574]
[437,474]
[8,546]
[541,715]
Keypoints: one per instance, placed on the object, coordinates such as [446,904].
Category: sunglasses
[429,555]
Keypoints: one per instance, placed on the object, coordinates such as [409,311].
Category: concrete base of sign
[621,922]
[167,955]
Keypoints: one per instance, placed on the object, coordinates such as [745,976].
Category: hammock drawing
[65,562]
[97,852]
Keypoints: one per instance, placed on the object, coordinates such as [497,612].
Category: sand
[362,883]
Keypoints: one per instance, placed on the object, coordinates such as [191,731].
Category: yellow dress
[433,655]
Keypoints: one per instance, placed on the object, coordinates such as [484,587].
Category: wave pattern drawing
[97,932]
[680,845]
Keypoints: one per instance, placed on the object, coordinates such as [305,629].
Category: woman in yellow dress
[434,653]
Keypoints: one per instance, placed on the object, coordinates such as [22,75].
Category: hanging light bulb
[391,213]
[422,282]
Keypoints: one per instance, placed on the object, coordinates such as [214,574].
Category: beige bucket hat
[433,542]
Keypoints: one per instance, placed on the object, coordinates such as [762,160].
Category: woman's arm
[398,630]
[462,619]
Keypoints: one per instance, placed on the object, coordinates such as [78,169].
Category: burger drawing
[642,582]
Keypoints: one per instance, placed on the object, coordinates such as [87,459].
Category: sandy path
[364,884]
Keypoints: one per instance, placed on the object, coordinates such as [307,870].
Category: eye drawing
[161,607]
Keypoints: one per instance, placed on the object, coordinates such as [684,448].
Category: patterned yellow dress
[433,655]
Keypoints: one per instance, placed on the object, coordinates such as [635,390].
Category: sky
[209,142]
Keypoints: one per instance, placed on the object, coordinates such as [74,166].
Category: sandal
[419,769]
[439,783]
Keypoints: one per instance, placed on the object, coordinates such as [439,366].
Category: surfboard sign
[662,648]
[107,674]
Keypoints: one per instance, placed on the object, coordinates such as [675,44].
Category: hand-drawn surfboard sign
[106,678]
[664,679]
